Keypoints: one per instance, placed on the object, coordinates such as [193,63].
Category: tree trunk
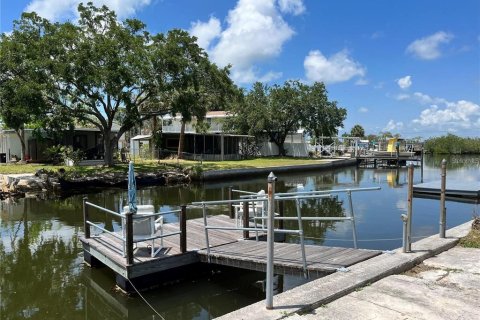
[21,135]
[181,141]
[109,145]
[281,149]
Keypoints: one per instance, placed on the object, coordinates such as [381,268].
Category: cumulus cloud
[402,96]
[294,7]
[426,99]
[206,31]
[393,126]
[361,82]
[363,110]
[461,114]
[405,82]
[67,9]
[428,48]
[255,32]
[337,68]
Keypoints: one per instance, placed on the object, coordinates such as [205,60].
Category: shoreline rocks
[59,183]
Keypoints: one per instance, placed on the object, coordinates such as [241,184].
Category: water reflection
[42,275]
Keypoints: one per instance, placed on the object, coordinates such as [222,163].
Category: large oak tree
[100,69]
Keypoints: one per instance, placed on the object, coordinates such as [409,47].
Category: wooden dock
[388,159]
[455,190]
[227,247]
[250,254]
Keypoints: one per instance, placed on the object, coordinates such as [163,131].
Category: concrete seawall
[248,172]
[324,290]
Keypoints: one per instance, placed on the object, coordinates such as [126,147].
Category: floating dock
[227,247]
[455,190]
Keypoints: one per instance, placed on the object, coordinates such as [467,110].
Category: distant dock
[455,190]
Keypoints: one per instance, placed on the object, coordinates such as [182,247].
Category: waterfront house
[89,140]
[211,143]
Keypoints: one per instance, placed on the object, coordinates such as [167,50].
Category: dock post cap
[272,177]
[444,161]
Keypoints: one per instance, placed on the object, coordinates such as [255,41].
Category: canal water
[42,275]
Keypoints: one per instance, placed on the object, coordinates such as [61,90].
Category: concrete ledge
[324,290]
[236,173]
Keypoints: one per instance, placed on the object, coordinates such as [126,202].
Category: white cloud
[338,68]
[206,31]
[428,48]
[393,126]
[363,110]
[377,35]
[294,7]
[67,9]
[255,32]
[405,82]
[361,82]
[402,96]
[461,114]
[426,99]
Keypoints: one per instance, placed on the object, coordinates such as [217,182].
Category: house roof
[209,115]
[142,137]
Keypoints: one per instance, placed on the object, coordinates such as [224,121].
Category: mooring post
[409,207]
[245,219]
[404,232]
[183,228]
[86,226]
[421,167]
[129,237]
[230,205]
[443,213]
[270,241]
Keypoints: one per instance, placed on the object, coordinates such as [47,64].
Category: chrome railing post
[270,239]
[206,232]
[352,216]
[302,238]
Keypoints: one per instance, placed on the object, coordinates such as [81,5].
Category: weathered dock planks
[227,247]
[250,254]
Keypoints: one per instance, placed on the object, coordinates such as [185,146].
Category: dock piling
[409,208]
[183,229]
[129,237]
[443,213]
[245,219]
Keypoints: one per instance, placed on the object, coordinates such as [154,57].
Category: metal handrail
[123,216]
[328,191]
[105,230]
[104,209]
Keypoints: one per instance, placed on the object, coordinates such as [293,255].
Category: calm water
[42,275]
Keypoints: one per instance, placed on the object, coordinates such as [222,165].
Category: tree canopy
[357,131]
[280,110]
[101,69]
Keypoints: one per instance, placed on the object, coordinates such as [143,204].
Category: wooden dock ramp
[252,255]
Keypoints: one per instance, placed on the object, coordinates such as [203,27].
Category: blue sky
[410,67]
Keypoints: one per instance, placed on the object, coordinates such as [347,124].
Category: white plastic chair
[256,209]
[147,227]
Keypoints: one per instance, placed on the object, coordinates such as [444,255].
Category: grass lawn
[154,165]
[472,240]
